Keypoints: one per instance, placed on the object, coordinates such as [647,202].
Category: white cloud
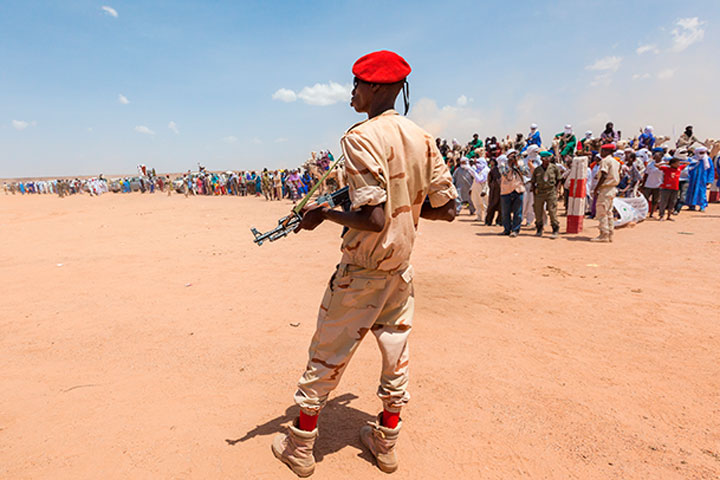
[687,32]
[462,101]
[110,11]
[173,126]
[647,48]
[22,124]
[323,94]
[641,76]
[602,80]
[284,95]
[256,141]
[665,74]
[606,65]
[280,140]
[144,130]
[230,139]
[123,99]
[89,129]
[611,64]
[451,121]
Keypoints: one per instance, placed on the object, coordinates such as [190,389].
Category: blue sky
[86,89]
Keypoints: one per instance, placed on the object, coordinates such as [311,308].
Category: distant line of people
[60,187]
[278,184]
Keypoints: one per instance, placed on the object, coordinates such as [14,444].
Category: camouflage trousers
[604,210]
[358,301]
[546,202]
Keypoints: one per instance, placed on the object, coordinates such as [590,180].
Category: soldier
[545,184]
[605,192]
[396,174]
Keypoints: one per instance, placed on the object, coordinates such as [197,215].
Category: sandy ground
[148,337]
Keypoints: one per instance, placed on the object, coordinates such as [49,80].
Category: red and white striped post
[576,197]
[714,187]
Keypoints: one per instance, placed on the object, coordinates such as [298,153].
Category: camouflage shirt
[546,180]
[389,159]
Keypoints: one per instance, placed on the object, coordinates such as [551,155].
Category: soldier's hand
[312,216]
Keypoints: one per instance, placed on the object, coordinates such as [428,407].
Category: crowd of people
[515,180]
[277,184]
[61,187]
[507,182]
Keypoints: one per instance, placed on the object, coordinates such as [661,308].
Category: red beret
[381,67]
[608,146]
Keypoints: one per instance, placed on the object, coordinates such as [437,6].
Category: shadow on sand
[570,237]
[339,425]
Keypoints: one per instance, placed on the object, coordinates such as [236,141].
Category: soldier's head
[367,96]
[545,157]
[606,150]
[379,78]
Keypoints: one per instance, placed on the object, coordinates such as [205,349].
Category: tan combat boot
[295,449]
[381,442]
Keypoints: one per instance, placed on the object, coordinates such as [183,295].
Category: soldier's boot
[295,449]
[381,443]
[555,233]
[600,238]
[538,232]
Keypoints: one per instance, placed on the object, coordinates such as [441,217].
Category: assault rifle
[287,224]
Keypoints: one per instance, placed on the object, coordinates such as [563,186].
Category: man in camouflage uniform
[545,184]
[608,178]
[395,174]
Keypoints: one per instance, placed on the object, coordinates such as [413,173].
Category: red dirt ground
[144,336]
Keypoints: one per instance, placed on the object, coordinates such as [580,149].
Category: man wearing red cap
[605,192]
[396,175]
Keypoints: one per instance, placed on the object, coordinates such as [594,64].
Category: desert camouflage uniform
[388,159]
[606,194]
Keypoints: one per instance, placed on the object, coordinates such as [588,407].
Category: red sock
[307,422]
[390,419]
